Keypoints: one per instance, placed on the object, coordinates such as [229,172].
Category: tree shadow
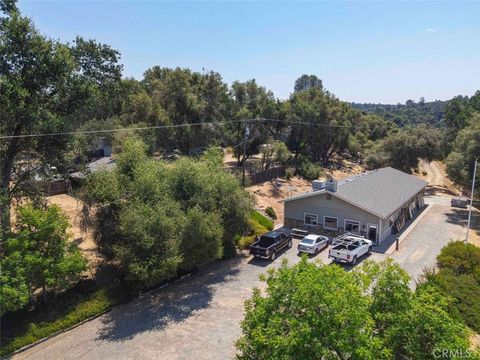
[174,303]
[460,217]
[348,267]
[432,190]
[265,262]
[78,241]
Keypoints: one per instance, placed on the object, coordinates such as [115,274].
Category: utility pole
[245,136]
[471,200]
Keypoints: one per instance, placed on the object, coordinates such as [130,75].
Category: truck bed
[264,243]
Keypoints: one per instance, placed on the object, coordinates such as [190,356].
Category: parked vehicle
[312,244]
[270,243]
[348,248]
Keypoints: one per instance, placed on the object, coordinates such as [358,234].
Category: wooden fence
[55,187]
[266,175]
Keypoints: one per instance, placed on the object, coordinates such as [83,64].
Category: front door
[372,232]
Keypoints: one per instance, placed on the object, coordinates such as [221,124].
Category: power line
[3,137]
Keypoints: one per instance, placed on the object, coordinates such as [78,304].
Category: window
[310,219]
[330,223]
[352,226]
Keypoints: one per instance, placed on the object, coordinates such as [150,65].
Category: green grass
[262,220]
[64,315]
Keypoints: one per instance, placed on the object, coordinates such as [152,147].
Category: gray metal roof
[104,163]
[380,192]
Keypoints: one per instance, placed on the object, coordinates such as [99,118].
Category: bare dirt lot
[435,173]
[269,193]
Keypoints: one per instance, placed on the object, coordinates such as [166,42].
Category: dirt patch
[434,172]
[72,207]
[269,193]
[439,184]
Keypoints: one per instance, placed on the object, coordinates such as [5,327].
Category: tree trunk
[6,178]
[5,201]
[5,224]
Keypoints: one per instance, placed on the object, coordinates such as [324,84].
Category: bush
[254,229]
[424,173]
[262,220]
[246,241]
[310,171]
[289,173]
[465,291]
[270,212]
[459,278]
[63,315]
[460,257]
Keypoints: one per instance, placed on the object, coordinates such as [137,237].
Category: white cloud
[430,30]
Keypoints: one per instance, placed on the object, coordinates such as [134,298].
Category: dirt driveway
[199,317]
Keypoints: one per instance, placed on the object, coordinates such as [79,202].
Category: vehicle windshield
[307,242]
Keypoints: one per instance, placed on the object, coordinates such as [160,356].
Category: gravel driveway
[198,317]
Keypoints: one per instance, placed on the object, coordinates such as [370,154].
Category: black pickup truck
[270,243]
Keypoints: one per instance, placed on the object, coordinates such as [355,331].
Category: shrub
[459,278]
[270,212]
[465,291]
[460,257]
[289,173]
[66,314]
[310,171]
[262,220]
[246,241]
[254,229]
[424,173]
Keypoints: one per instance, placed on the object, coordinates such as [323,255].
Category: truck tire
[290,244]
[273,256]
[354,261]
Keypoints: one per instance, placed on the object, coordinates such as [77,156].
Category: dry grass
[436,175]
[269,193]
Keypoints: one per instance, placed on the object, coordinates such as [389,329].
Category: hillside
[410,113]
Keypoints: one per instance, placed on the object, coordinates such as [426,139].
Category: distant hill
[410,113]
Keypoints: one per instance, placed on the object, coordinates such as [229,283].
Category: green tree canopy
[45,84]
[312,311]
[156,218]
[460,162]
[38,255]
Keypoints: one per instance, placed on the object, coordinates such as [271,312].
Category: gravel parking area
[198,317]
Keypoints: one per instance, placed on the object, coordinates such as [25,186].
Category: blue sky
[365,52]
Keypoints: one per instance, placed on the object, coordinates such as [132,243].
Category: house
[104,163]
[374,204]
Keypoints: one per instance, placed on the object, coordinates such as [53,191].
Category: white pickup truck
[348,248]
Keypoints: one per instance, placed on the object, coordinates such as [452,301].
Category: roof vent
[318,184]
[331,185]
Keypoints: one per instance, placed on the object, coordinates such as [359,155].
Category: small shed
[459,201]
